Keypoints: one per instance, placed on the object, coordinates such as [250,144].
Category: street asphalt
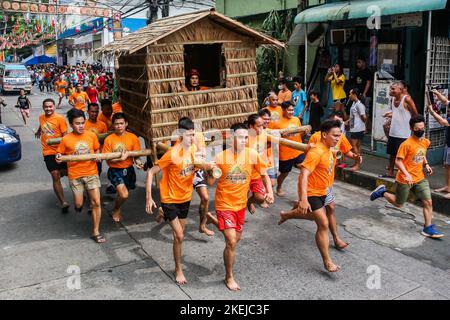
[42,250]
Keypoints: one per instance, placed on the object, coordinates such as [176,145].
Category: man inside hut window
[193,82]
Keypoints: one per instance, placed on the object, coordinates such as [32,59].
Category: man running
[176,188]
[53,125]
[96,126]
[121,173]
[79,99]
[83,175]
[237,164]
[314,181]
[289,158]
[410,160]
[345,148]
[61,86]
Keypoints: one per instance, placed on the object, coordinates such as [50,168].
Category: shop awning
[357,9]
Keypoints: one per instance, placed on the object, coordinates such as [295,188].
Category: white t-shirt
[356,111]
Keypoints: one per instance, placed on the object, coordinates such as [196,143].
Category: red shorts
[231,219]
[257,186]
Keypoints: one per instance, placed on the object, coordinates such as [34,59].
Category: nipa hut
[154,61]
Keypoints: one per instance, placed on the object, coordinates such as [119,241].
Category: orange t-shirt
[108,121]
[117,107]
[287,153]
[343,146]
[177,167]
[80,144]
[51,127]
[259,144]
[276,113]
[97,127]
[319,161]
[126,142]
[234,184]
[61,86]
[80,100]
[413,152]
[284,96]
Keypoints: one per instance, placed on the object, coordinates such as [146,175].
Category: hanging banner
[41,8]
[380,107]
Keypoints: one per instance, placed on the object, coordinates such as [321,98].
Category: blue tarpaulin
[39,60]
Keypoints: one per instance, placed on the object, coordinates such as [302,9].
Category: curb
[370,181]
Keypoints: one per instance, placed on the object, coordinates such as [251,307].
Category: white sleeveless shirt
[400,120]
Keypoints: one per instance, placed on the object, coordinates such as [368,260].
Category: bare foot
[331,267]
[116,216]
[205,230]
[160,216]
[232,285]
[264,205]
[179,278]
[280,193]
[340,245]
[211,219]
[282,218]
[251,207]
[447,196]
[443,189]
[354,168]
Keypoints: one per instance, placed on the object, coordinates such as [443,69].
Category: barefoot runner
[345,148]
[53,125]
[61,87]
[94,125]
[410,160]
[83,175]
[121,173]
[314,181]
[237,164]
[176,188]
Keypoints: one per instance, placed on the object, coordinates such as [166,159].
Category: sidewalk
[373,167]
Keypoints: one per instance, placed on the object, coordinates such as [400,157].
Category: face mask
[419,133]
[267,103]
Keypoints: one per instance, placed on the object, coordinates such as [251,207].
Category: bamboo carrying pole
[104,156]
[306,129]
[55,141]
[216,172]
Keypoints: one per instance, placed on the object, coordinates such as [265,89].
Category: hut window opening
[207,62]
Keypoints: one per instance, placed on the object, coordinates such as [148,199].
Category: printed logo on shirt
[275,116]
[188,168]
[80,99]
[330,164]
[81,147]
[119,147]
[94,130]
[419,156]
[48,129]
[237,175]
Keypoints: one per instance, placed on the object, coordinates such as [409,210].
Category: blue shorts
[272,173]
[286,166]
[122,176]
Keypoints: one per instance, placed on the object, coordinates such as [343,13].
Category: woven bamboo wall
[133,80]
[218,107]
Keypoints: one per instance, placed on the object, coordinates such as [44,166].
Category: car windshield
[17,73]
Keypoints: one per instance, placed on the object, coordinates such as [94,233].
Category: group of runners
[251,166]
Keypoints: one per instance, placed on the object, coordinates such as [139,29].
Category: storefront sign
[407,20]
[20,6]
[380,107]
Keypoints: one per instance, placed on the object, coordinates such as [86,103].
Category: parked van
[14,77]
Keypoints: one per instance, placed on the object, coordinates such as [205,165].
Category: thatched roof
[167,26]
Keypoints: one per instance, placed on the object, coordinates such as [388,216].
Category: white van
[14,77]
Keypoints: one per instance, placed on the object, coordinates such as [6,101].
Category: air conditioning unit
[340,36]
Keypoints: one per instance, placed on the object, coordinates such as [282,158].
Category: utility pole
[165,8]
[153,6]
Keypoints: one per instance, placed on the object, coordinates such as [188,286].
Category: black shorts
[175,210]
[125,176]
[286,166]
[317,202]
[52,165]
[357,135]
[393,144]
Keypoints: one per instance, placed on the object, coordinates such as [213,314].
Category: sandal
[98,238]
[65,208]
